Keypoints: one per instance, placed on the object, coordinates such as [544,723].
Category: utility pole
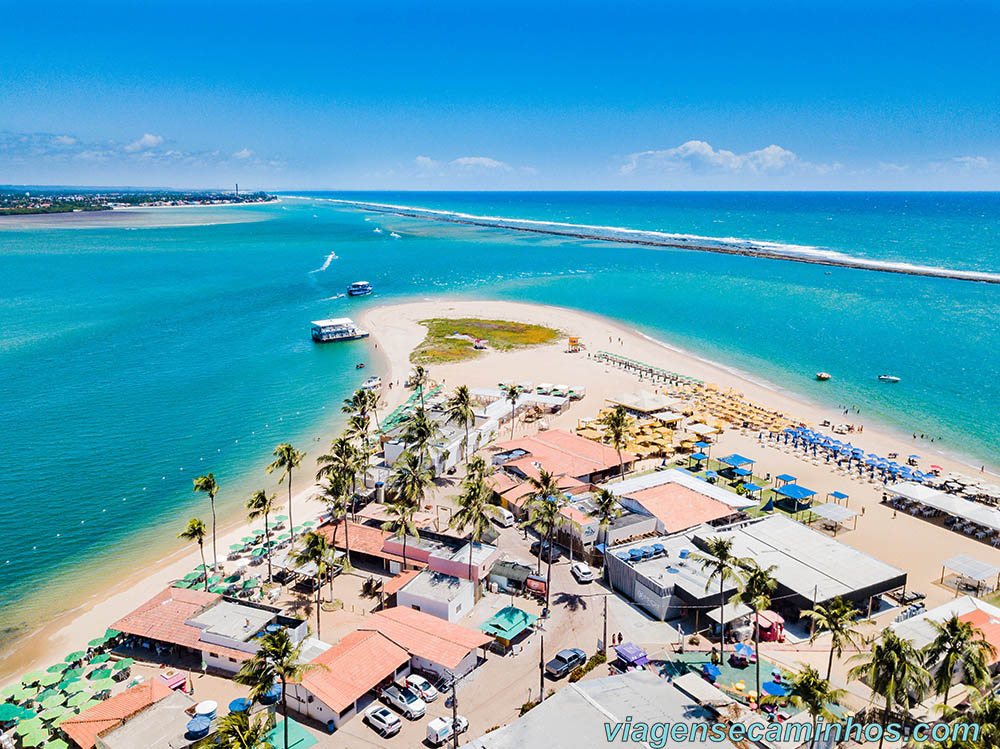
[812,627]
[605,644]
[541,668]
[454,714]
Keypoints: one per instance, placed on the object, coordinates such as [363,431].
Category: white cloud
[426,163]
[479,162]
[146,141]
[888,166]
[64,140]
[244,153]
[700,157]
[972,162]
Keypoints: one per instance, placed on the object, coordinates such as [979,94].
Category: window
[214,655]
[415,607]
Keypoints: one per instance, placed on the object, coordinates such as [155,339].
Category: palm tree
[343,461]
[287,459]
[400,523]
[260,506]
[419,433]
[837,618]
[458,410]
[958,647]
[278,660]
[755,591]
[893,669]
[315,550]
[809,691]
[410,479]
[510,394]
[606,509]
[419,377]
[544,517]
[618,429]
[720,561]
[196,531]
[338,500]
[207,484]
[474,511]
[238,730]
[984,712]
[362,406]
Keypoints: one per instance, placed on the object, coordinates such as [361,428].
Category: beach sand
[138,217]
[915,545]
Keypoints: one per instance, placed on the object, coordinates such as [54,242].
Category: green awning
[508,623]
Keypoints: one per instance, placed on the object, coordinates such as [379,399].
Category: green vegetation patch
[452,339]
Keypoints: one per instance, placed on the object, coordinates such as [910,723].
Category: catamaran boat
[337,329]
[888,378]
[372,383]
[360,288]
[822,376]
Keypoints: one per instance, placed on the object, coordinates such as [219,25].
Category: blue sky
[444,95]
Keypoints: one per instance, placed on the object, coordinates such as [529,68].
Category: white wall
[450,611]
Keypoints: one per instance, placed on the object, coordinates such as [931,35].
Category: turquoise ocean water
[135,359]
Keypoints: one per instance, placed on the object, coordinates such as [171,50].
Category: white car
[422,687]
[405,700]
[582,572]
[440,730]
[383,720]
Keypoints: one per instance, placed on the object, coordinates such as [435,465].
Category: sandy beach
[915,545]
[137,217]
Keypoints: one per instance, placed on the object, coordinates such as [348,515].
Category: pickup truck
[564,662]
[405,700]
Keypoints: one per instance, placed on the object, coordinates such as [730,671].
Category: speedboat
[372,383]
[822,376]
[888,378]
[360,288]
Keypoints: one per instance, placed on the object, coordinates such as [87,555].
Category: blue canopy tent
[786,478]
[699,456]
[736,461]
[799,495]
[838,495]
[751,488]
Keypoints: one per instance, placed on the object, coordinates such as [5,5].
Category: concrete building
[98,727]
[630,487]
[445,596]
[561,453]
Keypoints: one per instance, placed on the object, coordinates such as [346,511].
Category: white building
[444,596]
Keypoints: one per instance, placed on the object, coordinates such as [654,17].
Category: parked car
[549,552]
[440,730]
[422,687]
[564,662]
[383,720]
[582,572]
[405,700]
[503,517]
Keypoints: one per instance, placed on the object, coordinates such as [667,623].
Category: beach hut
[508,624]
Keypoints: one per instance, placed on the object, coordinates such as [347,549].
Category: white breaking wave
[326,264]
[725,245]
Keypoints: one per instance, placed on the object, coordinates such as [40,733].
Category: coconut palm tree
[277,661]
[343,461]
[958,648]
[984,714]
[474,511]
[544,518]
[400,523]
[618,430]
[315,550]
[239,730]
[756,586]
[419,432]
[419,378]
[207,485]
[720,561]
[338,501]
[410,479]
[893,669]
[606,509]
[195,531]
[809,691]
[287,459]
[259,506]
[837,618]
[510,394]
[458,410]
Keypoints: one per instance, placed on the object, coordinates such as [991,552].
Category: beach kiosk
[507,625]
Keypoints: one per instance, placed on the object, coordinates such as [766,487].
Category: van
[440,730]
[504,517]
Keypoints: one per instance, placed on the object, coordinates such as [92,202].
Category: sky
[516,95]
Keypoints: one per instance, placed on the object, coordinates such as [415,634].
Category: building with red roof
[561,453]
[86,729]
[676,507]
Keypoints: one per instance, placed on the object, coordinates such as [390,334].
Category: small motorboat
[822,376]
[359,366]
[372,383]
[888,378]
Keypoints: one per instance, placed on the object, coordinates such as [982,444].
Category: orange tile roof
[427,636]
[518,494]
[85,728]
[989,626]
[365,539]
[679,508]
[561,452]
[577,516]
[393,585]
[163,617]
[358,663]
[501,482]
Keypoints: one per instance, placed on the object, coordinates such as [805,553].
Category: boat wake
[722,245]
[326,263]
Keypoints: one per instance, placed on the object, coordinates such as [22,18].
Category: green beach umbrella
[36,738]
[73,673]
[50,679]
[249,539]
[112,633]
[202,568]
[214,579]
[96,642]
[193,576]
[284,536]
[10,690]
[89,704]
[281,518]
[122,664]
[259,552]
[183,584]
[32,677]
[57,668]
[76,655]
[24,693]
[46,694]
[56,744]
[27,726]
[53,713]
[102,658]
[102,685]
[309,524]
[78,699]
[251,583]
[53,701]
[71,686]
[218,589]
[232,579]
[99,673]
[9,711]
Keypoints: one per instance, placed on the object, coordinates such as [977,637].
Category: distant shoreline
[120,217]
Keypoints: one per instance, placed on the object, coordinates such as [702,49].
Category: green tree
[315,550]
[721,564]
[410,479]
[544,518]
[618,430]
[195,531]
[419,433]
[458,410]
[474,511]
[809,691]
[400,523]
[510,394]
[984,712]
[837,618]
[756,586]
[958,648]
[240,730]
[207,485]
[419,379]
[893,669]
[606,509]
[286,460]
[277,661]
[259,506]
[342,463]
[338,501]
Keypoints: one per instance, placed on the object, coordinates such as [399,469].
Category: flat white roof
[920,631]
[949,504]
[677,476]
[333,321]
[971,567]
[833,511]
